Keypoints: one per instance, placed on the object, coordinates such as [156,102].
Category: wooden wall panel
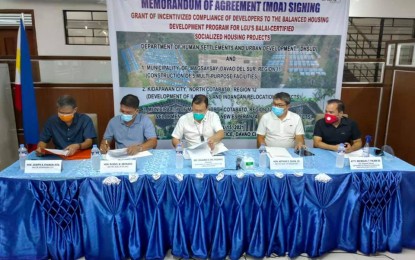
[362,104]
[90,99]
[8,41]
[384,106]
[401,123]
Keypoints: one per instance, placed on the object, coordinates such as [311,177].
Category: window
[366,37]
[86,27]
[405,54]
[13,19]
[391,55]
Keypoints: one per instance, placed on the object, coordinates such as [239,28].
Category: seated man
[334,129]
[68,129]
[199,125]
[131,129]
[281,127]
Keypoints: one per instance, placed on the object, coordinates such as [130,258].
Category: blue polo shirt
[139,132]
[63,135]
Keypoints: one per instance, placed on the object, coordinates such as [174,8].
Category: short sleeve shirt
[63,135]
[139,132]
[346,131]
[280,133]
[191,131]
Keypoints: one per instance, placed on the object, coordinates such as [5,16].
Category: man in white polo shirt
[280,127]
[199,125]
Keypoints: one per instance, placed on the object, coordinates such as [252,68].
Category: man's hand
[211,143]
[40,151]
[348,148]
[299,146]
[72,149]
[134,149]
[104,147]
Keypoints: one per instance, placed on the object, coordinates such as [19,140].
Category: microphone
[238,162]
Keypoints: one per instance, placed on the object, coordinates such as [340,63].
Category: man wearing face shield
[130,129]
[281,127]
[199,125]
[68,129]
[335,129]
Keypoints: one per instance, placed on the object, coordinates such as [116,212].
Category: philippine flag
[24,98]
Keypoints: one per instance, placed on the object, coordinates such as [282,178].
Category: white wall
[49,24]
[382,8]
[8,130]
[51,36]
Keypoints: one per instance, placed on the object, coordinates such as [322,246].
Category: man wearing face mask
[68,129]
[281,127]
[130,129]
[335,129]
[199,125]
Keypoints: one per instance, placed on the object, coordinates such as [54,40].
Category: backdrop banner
[238,53]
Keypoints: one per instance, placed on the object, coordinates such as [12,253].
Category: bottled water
[262,156]
[22,156]
[95,158]
[179,156]
[366,146]
[340,156]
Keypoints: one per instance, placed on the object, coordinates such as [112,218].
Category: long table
[208,213]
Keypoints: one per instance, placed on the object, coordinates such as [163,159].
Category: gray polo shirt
[140,131]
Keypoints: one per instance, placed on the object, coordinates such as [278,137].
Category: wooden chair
[94,119]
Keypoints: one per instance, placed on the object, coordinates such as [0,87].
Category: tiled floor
[341,255]
[406,254]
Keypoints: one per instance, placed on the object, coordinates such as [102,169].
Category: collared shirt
[137,133]
[346,131]
[63,135]
[280,133]
[191,130]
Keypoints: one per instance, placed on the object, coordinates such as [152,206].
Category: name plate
[213,162]
[285,163]
[366,163]
[110,166]
[43,166]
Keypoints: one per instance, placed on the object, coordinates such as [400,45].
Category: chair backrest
[94,119]
[152,118]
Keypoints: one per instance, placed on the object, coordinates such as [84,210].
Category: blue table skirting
[206,217]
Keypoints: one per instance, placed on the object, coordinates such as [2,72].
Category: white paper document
[118,152]
[219,148]
[122,154]
[277,152]
[357,153]
[201,145]
[202,150]
[57,151]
